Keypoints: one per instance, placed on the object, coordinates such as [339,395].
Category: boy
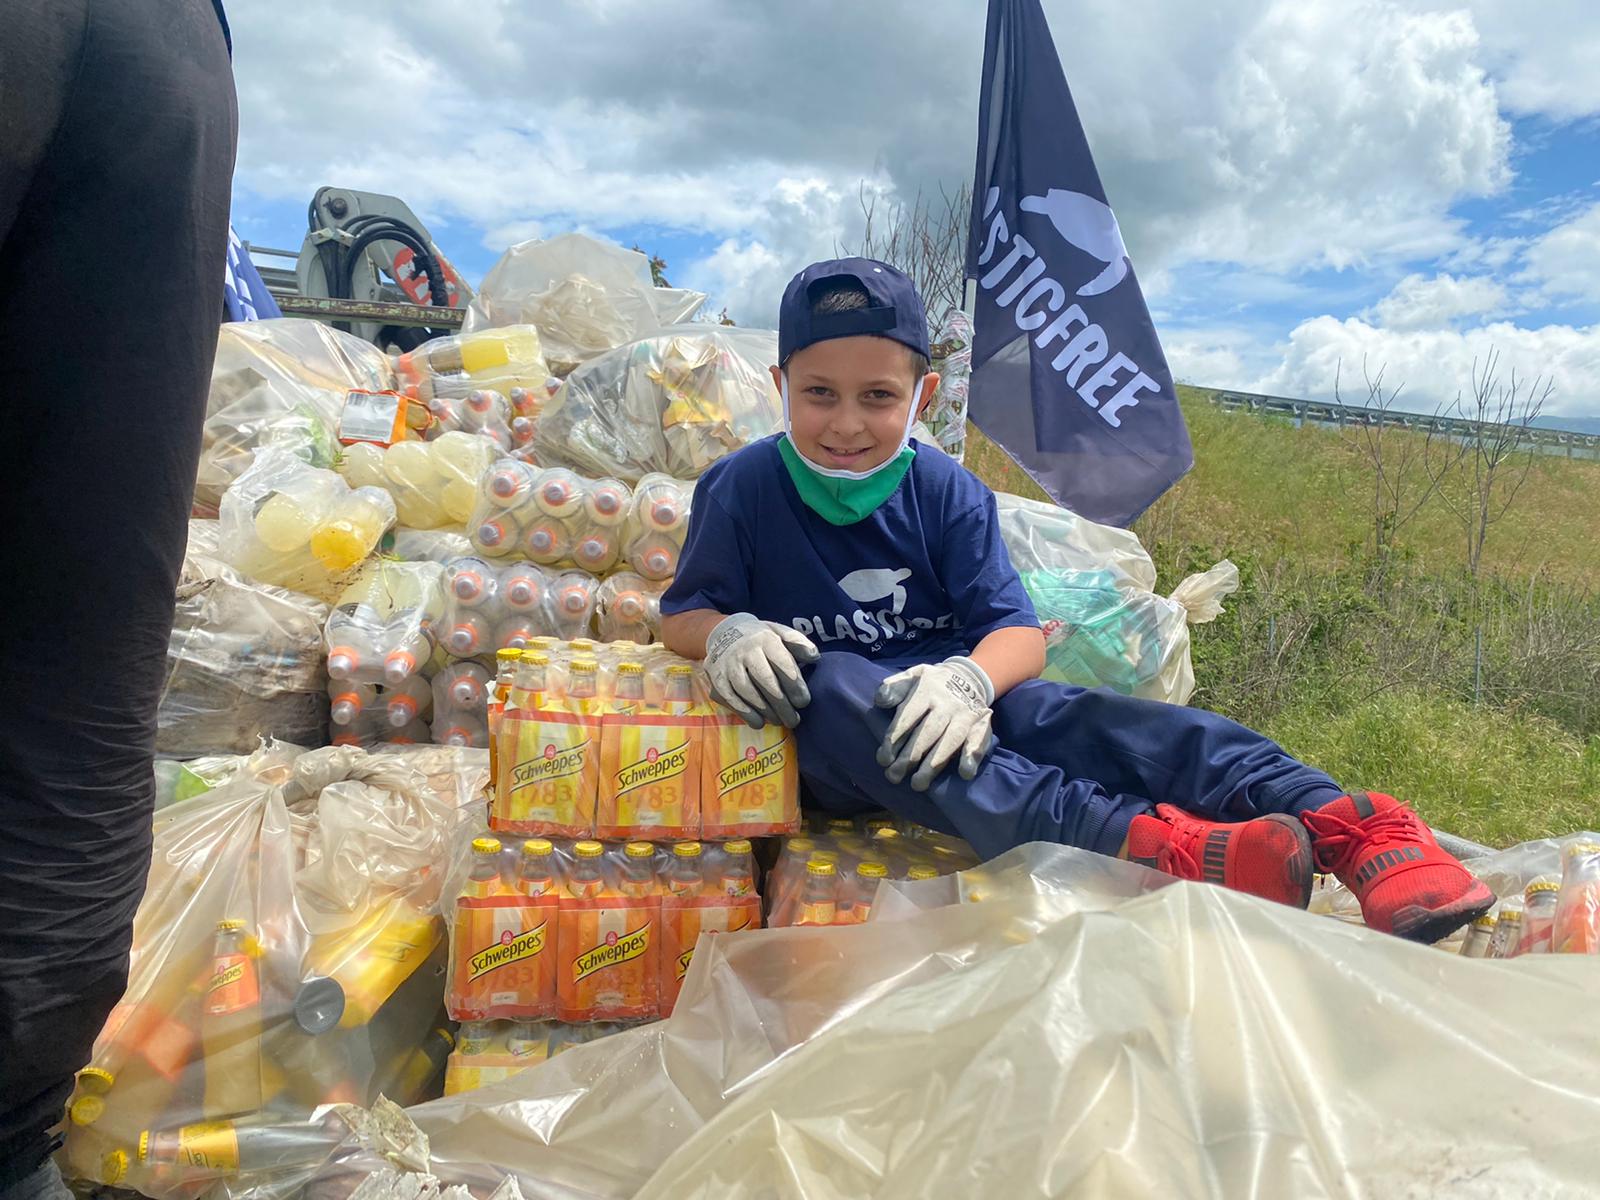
[843,569]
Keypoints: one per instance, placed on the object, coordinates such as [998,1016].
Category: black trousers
[117,128]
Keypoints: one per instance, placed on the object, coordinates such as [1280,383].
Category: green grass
[1366,664]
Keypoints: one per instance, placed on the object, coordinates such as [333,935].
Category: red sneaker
[1268,857]
[1382,852]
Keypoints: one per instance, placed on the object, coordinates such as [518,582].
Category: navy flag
[244,294]
[1067,372]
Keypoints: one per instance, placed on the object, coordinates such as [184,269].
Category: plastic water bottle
[547,542]
[469,636]
[410,701]
[461,730]
[522,589]
[351,632]
[573,600]
[606,503]
[462,687]
[596,551]
[509,483]
[496,536]
[558,492]
[661,507]
[349,701]
[471,582]
[655,556]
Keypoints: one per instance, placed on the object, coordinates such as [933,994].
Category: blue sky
[1303,184]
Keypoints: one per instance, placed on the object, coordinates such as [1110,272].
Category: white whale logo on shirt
[875,584]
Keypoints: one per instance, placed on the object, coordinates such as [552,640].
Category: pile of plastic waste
[440,823]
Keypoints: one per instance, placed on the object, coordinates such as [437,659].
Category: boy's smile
[850,400]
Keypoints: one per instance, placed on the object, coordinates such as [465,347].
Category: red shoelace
[1337,844]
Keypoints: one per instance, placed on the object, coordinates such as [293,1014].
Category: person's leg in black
[117,128]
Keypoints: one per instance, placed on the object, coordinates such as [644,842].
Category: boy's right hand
[754,668]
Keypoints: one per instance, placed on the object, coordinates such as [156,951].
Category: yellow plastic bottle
[354,528]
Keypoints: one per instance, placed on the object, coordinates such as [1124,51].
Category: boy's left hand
[940,709]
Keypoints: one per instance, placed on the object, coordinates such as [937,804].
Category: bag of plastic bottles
[490,606]
[289,953]
[585,296]
[244,662]
[492,384]
[384,625]
[1092,586]
[946,417]
[279,383]
[424,545]
[433,483]
[300,527]
[674,403]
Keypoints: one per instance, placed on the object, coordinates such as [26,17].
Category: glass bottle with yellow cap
[230,1023]
[738,868]
[638,870]
[684,878]
[587,879]
[819,901]
[1539,902]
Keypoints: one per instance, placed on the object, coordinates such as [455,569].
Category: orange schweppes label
[506,951]
[612,952]
[756,763]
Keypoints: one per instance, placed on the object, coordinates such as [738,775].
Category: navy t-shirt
[923,577]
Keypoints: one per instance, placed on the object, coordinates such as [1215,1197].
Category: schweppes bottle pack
[622,741]
[580,931]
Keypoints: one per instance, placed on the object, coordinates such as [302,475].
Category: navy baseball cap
[894,310]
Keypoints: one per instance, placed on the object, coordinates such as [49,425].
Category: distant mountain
[1570,424]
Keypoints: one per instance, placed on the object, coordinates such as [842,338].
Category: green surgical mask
[844,501]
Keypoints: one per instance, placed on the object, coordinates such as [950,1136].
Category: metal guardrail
[285,289]
[1567,442]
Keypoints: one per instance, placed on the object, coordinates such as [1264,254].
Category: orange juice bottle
[503,965]
[819,901]
[650,758]
[530,677]
[750,779]
[230,1024]
[555,766]
[864,888]
[694,903]
[610,943]
[505,663]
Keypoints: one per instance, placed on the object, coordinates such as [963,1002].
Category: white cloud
[1421,302]
[1566,260]
[1276,133]
[1546,55]
[1433,365]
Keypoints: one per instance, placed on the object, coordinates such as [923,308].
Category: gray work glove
[941,709]
[754,668]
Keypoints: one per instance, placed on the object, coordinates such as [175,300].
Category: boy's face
[849,398]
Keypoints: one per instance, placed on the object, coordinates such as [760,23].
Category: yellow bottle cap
[841,825]
[872,870]
[582,645]
[1577,848]
[679,668]
[114,1167]
[507,654]
[144,1146]
[86,1110]
[588,849]
[584,666]
[818,866]
[1487,921]
[1511,914]
[639,850]
[486,845]
[449,1038]
[687,849]
[537,847]
[922,873]
[799,845]
[630,668]
[887,834]
[1541,885]
[543,642]
[96,1081]
[537,657]
[230,925]
[737,846]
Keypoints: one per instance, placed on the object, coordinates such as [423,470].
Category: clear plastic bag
[1092,587]
[946,417]
[288,954]
[298,526]
[492,384]
[434,483]
[494,606]
[244,661]
[674,403]
[586,296]
[280,383]
[384,626]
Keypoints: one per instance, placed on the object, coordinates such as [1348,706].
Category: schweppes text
[518,949]
[608,954]
[550,766]
[226,976]
[747,770]
[666,764]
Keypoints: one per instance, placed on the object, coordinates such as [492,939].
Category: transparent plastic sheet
[424,545]
[280,383]
[584,295]
[300,527]
[1087,1028]
[288,953]
[244,661]
[673,403]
